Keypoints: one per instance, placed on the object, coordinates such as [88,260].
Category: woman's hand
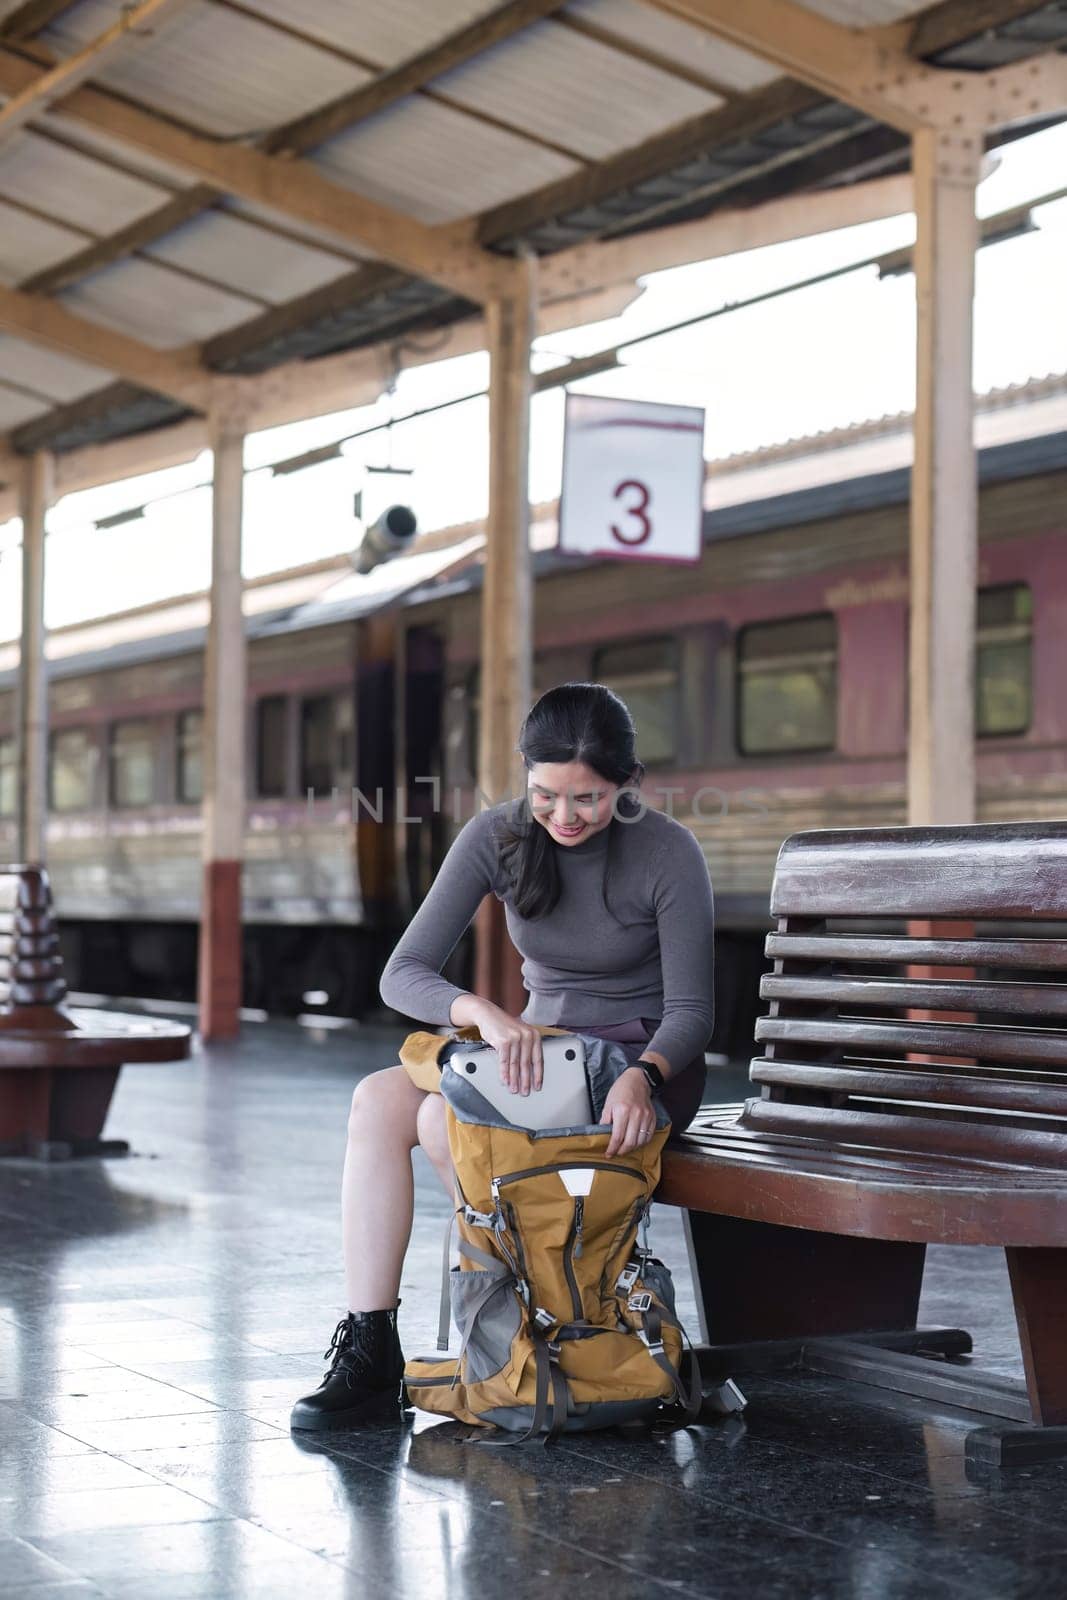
[517,1043]
[629,1110]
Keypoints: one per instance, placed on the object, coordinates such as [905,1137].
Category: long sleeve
[685,915]
[411,982]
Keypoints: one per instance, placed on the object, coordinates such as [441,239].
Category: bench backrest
[31,968]
[918,997]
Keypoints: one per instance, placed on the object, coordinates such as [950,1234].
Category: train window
[133,765]
[71,758]
[645,674]
[317,744]
[345,726]
[1002,660]
[7,777]
[271,720]
[189,756]
[787,686]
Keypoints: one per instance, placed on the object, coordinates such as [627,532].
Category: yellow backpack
[566,1319]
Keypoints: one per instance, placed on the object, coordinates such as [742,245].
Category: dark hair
[584,722]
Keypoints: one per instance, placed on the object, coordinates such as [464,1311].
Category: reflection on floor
[159,1315]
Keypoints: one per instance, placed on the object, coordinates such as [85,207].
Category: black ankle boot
[365,1377]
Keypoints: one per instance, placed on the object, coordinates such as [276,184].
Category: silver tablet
[563,1098]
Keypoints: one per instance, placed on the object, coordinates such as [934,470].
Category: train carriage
[769,686]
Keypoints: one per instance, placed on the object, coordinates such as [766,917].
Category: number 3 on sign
[637,509]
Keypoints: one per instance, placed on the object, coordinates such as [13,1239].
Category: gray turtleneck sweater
[580,965]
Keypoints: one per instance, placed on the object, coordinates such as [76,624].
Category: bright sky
[821,358]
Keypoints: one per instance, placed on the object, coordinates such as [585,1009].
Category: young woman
[610,905]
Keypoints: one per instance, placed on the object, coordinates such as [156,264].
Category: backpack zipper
[573,1246]
[573,1249]
[565,1166]
[632,1221]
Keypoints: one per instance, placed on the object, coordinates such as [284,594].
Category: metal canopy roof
[489,126]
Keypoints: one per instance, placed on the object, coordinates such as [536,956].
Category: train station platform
[160,1313]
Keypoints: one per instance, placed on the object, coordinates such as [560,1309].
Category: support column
[944,485]
[506,631]
[31,707]
[223,810]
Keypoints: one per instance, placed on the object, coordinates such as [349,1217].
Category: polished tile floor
[159,1314]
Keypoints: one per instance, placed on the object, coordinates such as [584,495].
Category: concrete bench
[59,1064]
[903,1100]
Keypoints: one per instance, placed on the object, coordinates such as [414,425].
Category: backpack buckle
[639,1302]
[627,1277]
[544,1319]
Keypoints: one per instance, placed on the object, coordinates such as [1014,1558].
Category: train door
[420,777]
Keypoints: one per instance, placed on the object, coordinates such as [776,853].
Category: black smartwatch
[656,1080]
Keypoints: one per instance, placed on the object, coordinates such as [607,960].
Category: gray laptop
[561,1102]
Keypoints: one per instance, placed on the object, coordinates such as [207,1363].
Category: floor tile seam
[730,1505]
[137,1372]
[75,1575]
[787,1563]
[657,1584]
[107,1421]
[862,1466]
[170,1483]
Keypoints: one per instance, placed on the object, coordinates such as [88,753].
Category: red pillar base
[219,968]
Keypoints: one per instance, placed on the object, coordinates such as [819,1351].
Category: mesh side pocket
[488,1316]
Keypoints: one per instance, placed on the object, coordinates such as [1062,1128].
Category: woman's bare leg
[433,1137]
[386,1122]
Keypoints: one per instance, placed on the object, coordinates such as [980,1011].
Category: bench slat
[1034,999]
[959,1039]
[914,1083]
[973,872]
[1036,1148]
[1038,954]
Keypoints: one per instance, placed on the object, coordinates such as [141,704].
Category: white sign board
[633,479]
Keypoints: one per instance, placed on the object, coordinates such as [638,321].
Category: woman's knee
[385,1103]
[432,1126]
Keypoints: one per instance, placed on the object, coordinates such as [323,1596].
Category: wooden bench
[59,1064]
[912,1090]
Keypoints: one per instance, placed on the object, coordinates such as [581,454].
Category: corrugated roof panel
[213,68]
[117,153]
[241,256]
[438,164]
[579,93]
[28,244]
[721,63]
[16,408]
[866,13]
[156,305]
[379,31]
[46,372]
[72,187]
[301,230]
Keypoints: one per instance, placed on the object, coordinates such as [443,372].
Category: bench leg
[52,1113]
[25,1104]
[1039,1289]
[756,1281]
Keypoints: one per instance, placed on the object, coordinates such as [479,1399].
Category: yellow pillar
[944,487]
[223,810]
[31,709]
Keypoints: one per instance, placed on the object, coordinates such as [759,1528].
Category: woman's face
[569,799]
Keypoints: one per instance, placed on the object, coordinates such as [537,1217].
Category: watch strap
[655,1078]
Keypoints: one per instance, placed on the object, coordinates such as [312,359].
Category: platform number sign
[633,479]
